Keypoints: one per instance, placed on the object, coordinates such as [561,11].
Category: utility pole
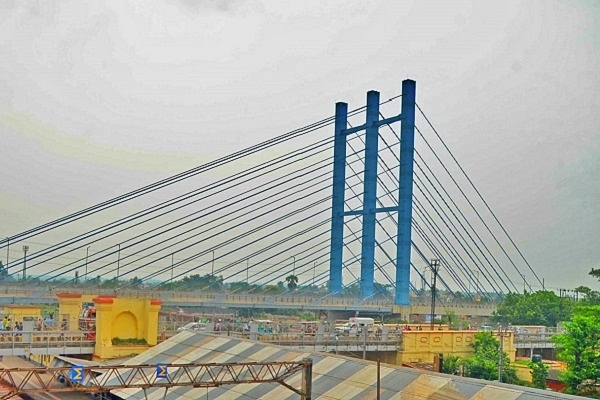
[435,267]
[501,334]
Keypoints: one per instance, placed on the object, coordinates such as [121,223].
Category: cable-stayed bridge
[353,206]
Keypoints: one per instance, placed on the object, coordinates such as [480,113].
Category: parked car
[192,326]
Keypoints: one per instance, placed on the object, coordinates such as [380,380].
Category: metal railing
[44,342]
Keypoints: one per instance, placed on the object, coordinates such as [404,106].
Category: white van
[355,325]
[192,326]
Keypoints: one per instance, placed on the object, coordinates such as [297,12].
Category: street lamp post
[25,249]
[172,261]
[435,267]
[118,260]
[423,280]
[523,275]
[87,252]
[212,271]
[477,281]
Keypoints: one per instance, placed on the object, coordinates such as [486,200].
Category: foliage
[451,364]
[592,297]
[94,281]
[539,374]
[196,281]
[451,319]
[135,282]
[383,290]
[595,273]
[579,347]
[3,270]
[128,342]
[292,281]
[539,308]
[484,363]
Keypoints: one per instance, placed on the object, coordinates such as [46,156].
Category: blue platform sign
[161,371]
[77,374]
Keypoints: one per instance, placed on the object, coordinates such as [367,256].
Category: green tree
[3,271]
[592,297]
[579,347]
[483,364]
[539,308]
[382,290]
[451,318]
[352,290]
[595,273]
[539,374]
[292,281]
[451,364]
[135,282]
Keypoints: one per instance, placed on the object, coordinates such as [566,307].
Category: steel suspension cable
[482,199]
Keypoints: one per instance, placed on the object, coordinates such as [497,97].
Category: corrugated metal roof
[334,377]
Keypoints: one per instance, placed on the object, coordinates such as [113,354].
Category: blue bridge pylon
[369,209]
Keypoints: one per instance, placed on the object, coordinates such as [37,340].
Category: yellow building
[122,326]
[422,346]
[16,312]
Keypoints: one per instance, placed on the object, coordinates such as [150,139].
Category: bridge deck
[13,294]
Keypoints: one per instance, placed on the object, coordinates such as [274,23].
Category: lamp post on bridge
[294,266]
[523,275]
[25,249]
[118,260]
[423,280]
[477,281]
[87,252]
[435,267]
[172,267]
[212,270]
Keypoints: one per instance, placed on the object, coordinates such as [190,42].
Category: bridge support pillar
[367,255]
[405,190]
[337,206]
[369,206]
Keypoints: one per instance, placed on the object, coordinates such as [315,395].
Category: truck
[355,325]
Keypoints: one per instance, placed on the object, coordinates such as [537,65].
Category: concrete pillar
[151,334]
[384,333]
[69,307]
[104,307]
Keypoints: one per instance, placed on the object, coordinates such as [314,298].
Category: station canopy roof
[334,377]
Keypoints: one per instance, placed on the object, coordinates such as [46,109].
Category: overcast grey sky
[99,98]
